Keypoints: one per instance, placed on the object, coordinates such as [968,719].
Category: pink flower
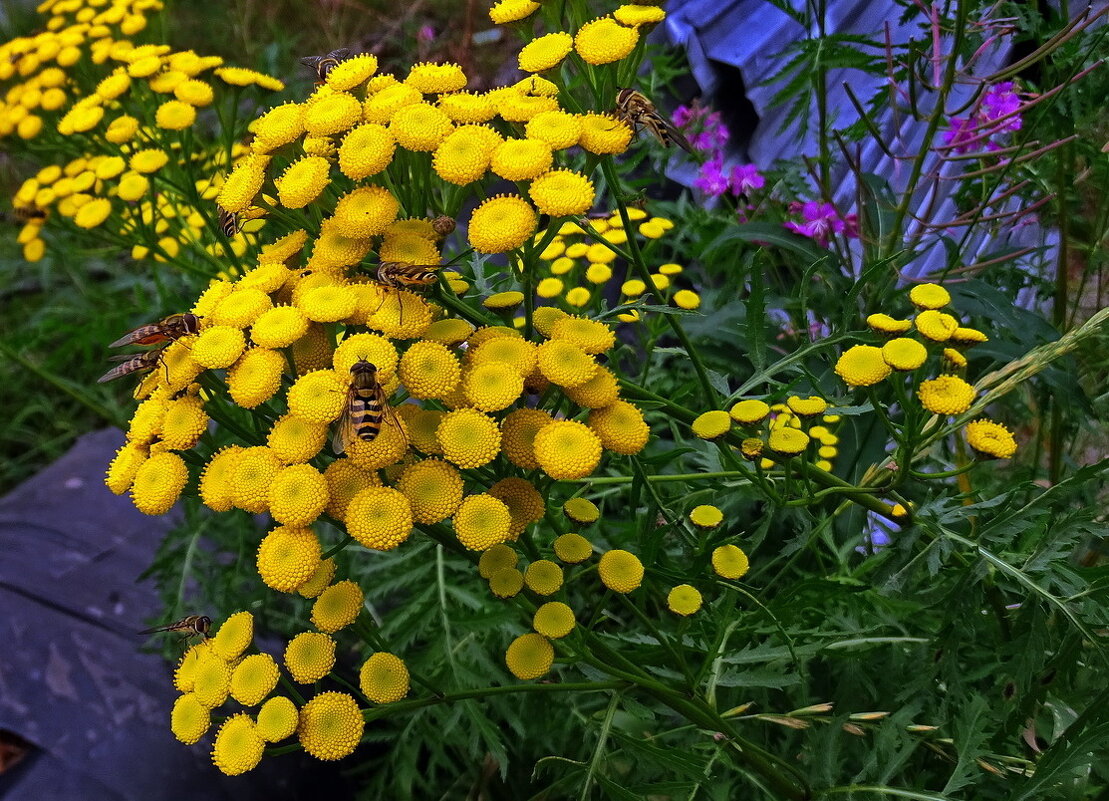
[712,180]
[746,178]
[820,221]
[705,130]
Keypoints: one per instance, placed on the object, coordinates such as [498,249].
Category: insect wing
[344,429]
[391,416]
[143,335]
[133,365]
[678,137]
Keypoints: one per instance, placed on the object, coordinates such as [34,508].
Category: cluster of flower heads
[784,430]
[478,423]
[997,113]
[581,263]
[942,341]
[227,675]
[798,426]
[84,88]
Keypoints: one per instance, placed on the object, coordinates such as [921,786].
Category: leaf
[769,234]
[614,790]
[756,321]
[970,733]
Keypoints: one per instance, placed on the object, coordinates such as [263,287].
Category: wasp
[366,407]
[323,65]
[168,329]
[191,626]
[637,110]
[228,222]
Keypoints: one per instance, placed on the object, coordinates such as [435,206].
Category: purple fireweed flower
[959,133]
[820,221]
[746,178]
[712,180]
[426,33]
[1000,101]
[681,116]
[705,130]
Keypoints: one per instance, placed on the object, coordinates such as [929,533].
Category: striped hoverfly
[366,407]
[161,333]
[637,111]
[189,627]
[228,222]
[323,65]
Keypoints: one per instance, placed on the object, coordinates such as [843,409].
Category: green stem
[645,275]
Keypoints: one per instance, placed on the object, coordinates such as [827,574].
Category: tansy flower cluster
[907,345]
[797,426]
[478,421]
[227,677]
[114,112]
[350,304]
[579,263]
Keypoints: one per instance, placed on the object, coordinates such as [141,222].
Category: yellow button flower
[605,40]
[468,438]
[561,193]
[302,182]
[518,435]
[287,557]
[309,657]
[481,522]
[730,562]
[621,427]
[337,606]
[862,366]
[238,747]
[620,571]
[433,488]
[530,656]
[929,296]
[384,678]
[553,619]
[543,577]
[420,127]
[189,720]
[684,600]
[256,376]
[366,150]
[991,439]
[297,495]
[712,425]
[331,726]
[501,224]
[566,449]
[904,353]
[505,11]
[946,395]
[706,516]
[158,483]
[253,679]
[572,548]
[545,52]
[277,719]
[936,325]
[379,518]
[521,159]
